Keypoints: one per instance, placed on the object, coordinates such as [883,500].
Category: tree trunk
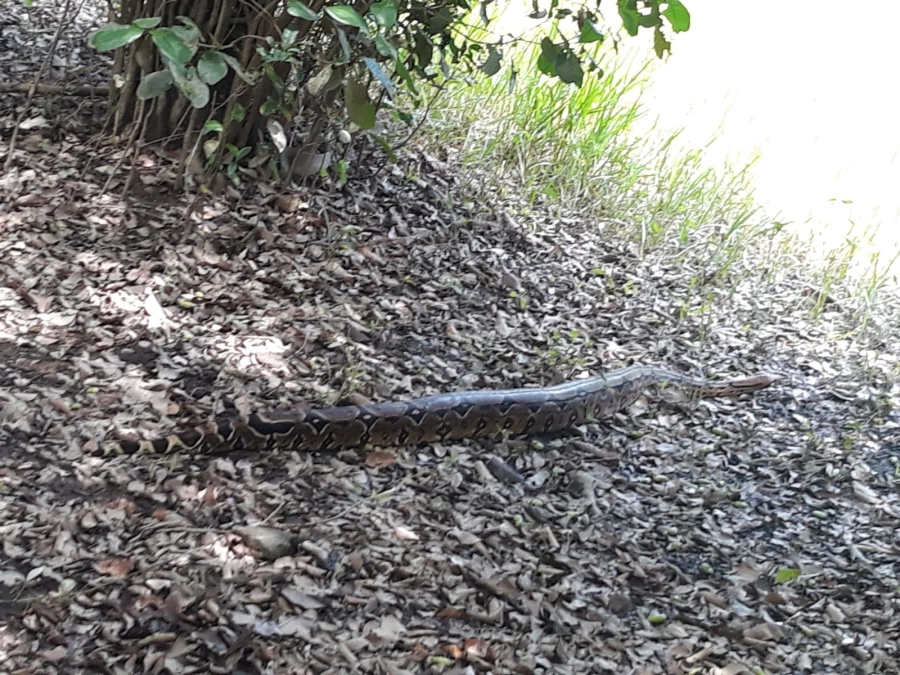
[237,28]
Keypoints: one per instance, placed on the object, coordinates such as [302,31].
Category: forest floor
[756,535]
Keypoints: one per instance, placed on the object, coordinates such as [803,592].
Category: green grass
[592,151]
[577,150]
[857,269]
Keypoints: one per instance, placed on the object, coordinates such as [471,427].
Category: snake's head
[766,379]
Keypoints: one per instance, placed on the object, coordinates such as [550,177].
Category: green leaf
[249,78]
[380,75]
[549,50]
[389,151]
[511,85]
[656,618]
[384,46]
[154,84]
[213,125]
[179,71]
[317,83]
[276,55]
[406,77]
[630,16]
[273,75]
[195,91]
[114,35]
[289,37]
[240,154]
[678,16]
[569,71]
[360,110]
[345,46]
[546,66]
[238,113]
[269,107]
[589,32]
[492,65]
[171,46]
[424,49]
[348,16]
[786,574]
[650,20]
[147,23]
[660,45]
[440,21]
[385,13]
[189,22]
[211,67]
[188,83]
[189,36]
[547,61]
[301,11]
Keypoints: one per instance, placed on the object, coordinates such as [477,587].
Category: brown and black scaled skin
[442,417]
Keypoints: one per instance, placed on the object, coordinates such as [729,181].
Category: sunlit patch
[821,157]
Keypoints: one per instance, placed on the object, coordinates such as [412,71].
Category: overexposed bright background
[813,88]
[810,88]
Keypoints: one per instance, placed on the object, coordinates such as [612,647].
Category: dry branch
[64,89]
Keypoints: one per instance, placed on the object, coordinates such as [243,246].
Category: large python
[443,417]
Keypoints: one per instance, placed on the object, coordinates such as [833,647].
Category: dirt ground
[756,535]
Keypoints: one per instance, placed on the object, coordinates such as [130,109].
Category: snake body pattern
[442,417]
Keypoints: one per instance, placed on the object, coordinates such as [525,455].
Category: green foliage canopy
[359,56]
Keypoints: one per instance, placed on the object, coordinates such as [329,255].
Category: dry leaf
[380,459]
[114,567]
[405,534]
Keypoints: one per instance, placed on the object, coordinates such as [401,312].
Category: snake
[487,413]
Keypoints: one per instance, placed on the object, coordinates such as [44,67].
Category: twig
[138,141]
[186,154]
[440,90]
[134,132]
[66,89]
